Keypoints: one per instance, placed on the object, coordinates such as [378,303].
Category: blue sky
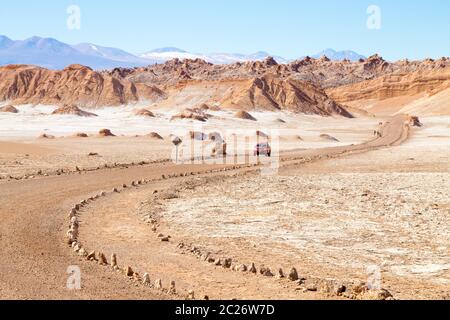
[290,28]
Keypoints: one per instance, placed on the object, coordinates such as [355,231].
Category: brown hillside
[421,92]
[271,93]
[75,84]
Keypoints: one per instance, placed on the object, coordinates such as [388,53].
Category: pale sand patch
[24,148]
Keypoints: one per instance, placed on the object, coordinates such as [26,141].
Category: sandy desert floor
[24,154]
[340,212]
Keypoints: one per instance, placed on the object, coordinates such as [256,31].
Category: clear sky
[289,28]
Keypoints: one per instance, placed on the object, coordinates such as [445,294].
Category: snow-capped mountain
[339,55]
[169,53]
[53,54]
[108,53]
[165,54]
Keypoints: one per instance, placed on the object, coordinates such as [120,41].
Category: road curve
[33,219]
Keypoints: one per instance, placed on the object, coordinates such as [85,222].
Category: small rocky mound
[415,122]
[328,137]
[291,138]
[46,136]
[80,135]
[72,110]
[244,115]
[106,133]
[156,136]
[9,109]
[144,113]
[192,115]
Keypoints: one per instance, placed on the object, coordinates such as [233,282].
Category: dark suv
[263,149]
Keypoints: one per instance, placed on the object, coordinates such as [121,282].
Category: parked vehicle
[263,149]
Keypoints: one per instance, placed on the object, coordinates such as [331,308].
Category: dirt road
[33,213]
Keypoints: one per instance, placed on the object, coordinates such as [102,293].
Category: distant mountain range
[339,55]
[53,54]
[169,53]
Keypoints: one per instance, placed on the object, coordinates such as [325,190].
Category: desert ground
[340,211]
[352,204]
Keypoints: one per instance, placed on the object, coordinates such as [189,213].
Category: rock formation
[293,275]
[273,93]
[72,110]
[144,113]
[310,86]
[76,84]
[106,133]
[9,109]
[156,136]
[243,115]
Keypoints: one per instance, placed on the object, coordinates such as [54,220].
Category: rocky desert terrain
[352,204]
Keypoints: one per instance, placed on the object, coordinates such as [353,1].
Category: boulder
[227,263]
[80,135]
[146,279]
[242,268]
[190,295]
[70,109]
[265,272]
[129,271]
[280,274]
[91,256]
[381,294]
[144,113]
[293,275]
[155,136]
[106,133]
[9,109]
[172,288]
[46,136]
[197,115]
[244,115]
[113,260]
[102,259]
[82,252]
[328,138]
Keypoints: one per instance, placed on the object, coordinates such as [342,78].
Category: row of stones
[99,257]
[331,287]
[59,172]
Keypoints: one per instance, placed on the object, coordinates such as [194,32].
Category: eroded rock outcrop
[9,109]
[76,84]
[70,109]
